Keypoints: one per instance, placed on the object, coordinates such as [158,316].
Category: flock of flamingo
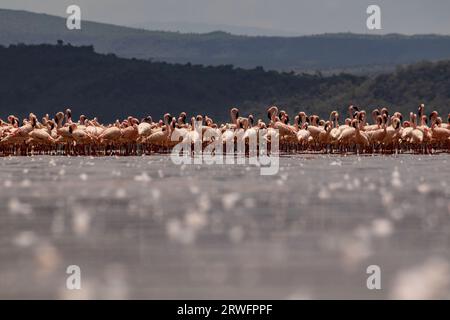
[388,133]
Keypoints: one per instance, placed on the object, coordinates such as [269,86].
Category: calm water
[142,227]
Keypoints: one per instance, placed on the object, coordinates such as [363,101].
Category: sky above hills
[255,17]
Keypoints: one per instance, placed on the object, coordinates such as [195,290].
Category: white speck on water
[156,194]
[395,173]
[349,186]
[62,172]
[382,227]
[429,280]
[52,163]
[335,186]
[300,294]
[80,221]
[396,181]
[424,188]
[336,163]
[324,193]
[386,197]
[26,183]
[143,177]
[354,251]
[116,173]
[47,258]
[7,183]
[17,207]
[83,176]
[196,220]
[229,200]
[194,189]
[25,171]
[204,203]
[121,193]
[176,231]
[25,239]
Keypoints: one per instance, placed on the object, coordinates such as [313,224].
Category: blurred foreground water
[143,227]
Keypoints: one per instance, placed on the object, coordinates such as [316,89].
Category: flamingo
[308,132]
[161,138]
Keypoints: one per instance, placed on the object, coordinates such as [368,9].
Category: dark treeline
[48,78]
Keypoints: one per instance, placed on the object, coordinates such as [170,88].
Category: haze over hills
[191,27]
[48,78]
[307,53]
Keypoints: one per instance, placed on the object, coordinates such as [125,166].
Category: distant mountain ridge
[49,78]
[305,53]
[190,27]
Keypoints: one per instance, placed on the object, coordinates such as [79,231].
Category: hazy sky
[293,16]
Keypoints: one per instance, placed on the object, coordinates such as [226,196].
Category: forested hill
[48,78]
[307,53]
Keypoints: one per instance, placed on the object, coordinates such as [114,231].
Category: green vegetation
[49,78]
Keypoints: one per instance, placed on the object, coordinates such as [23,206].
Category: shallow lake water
[143,227]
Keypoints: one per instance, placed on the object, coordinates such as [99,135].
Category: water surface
[143,227]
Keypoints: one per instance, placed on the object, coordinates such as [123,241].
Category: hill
[307,53]
[48,78]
